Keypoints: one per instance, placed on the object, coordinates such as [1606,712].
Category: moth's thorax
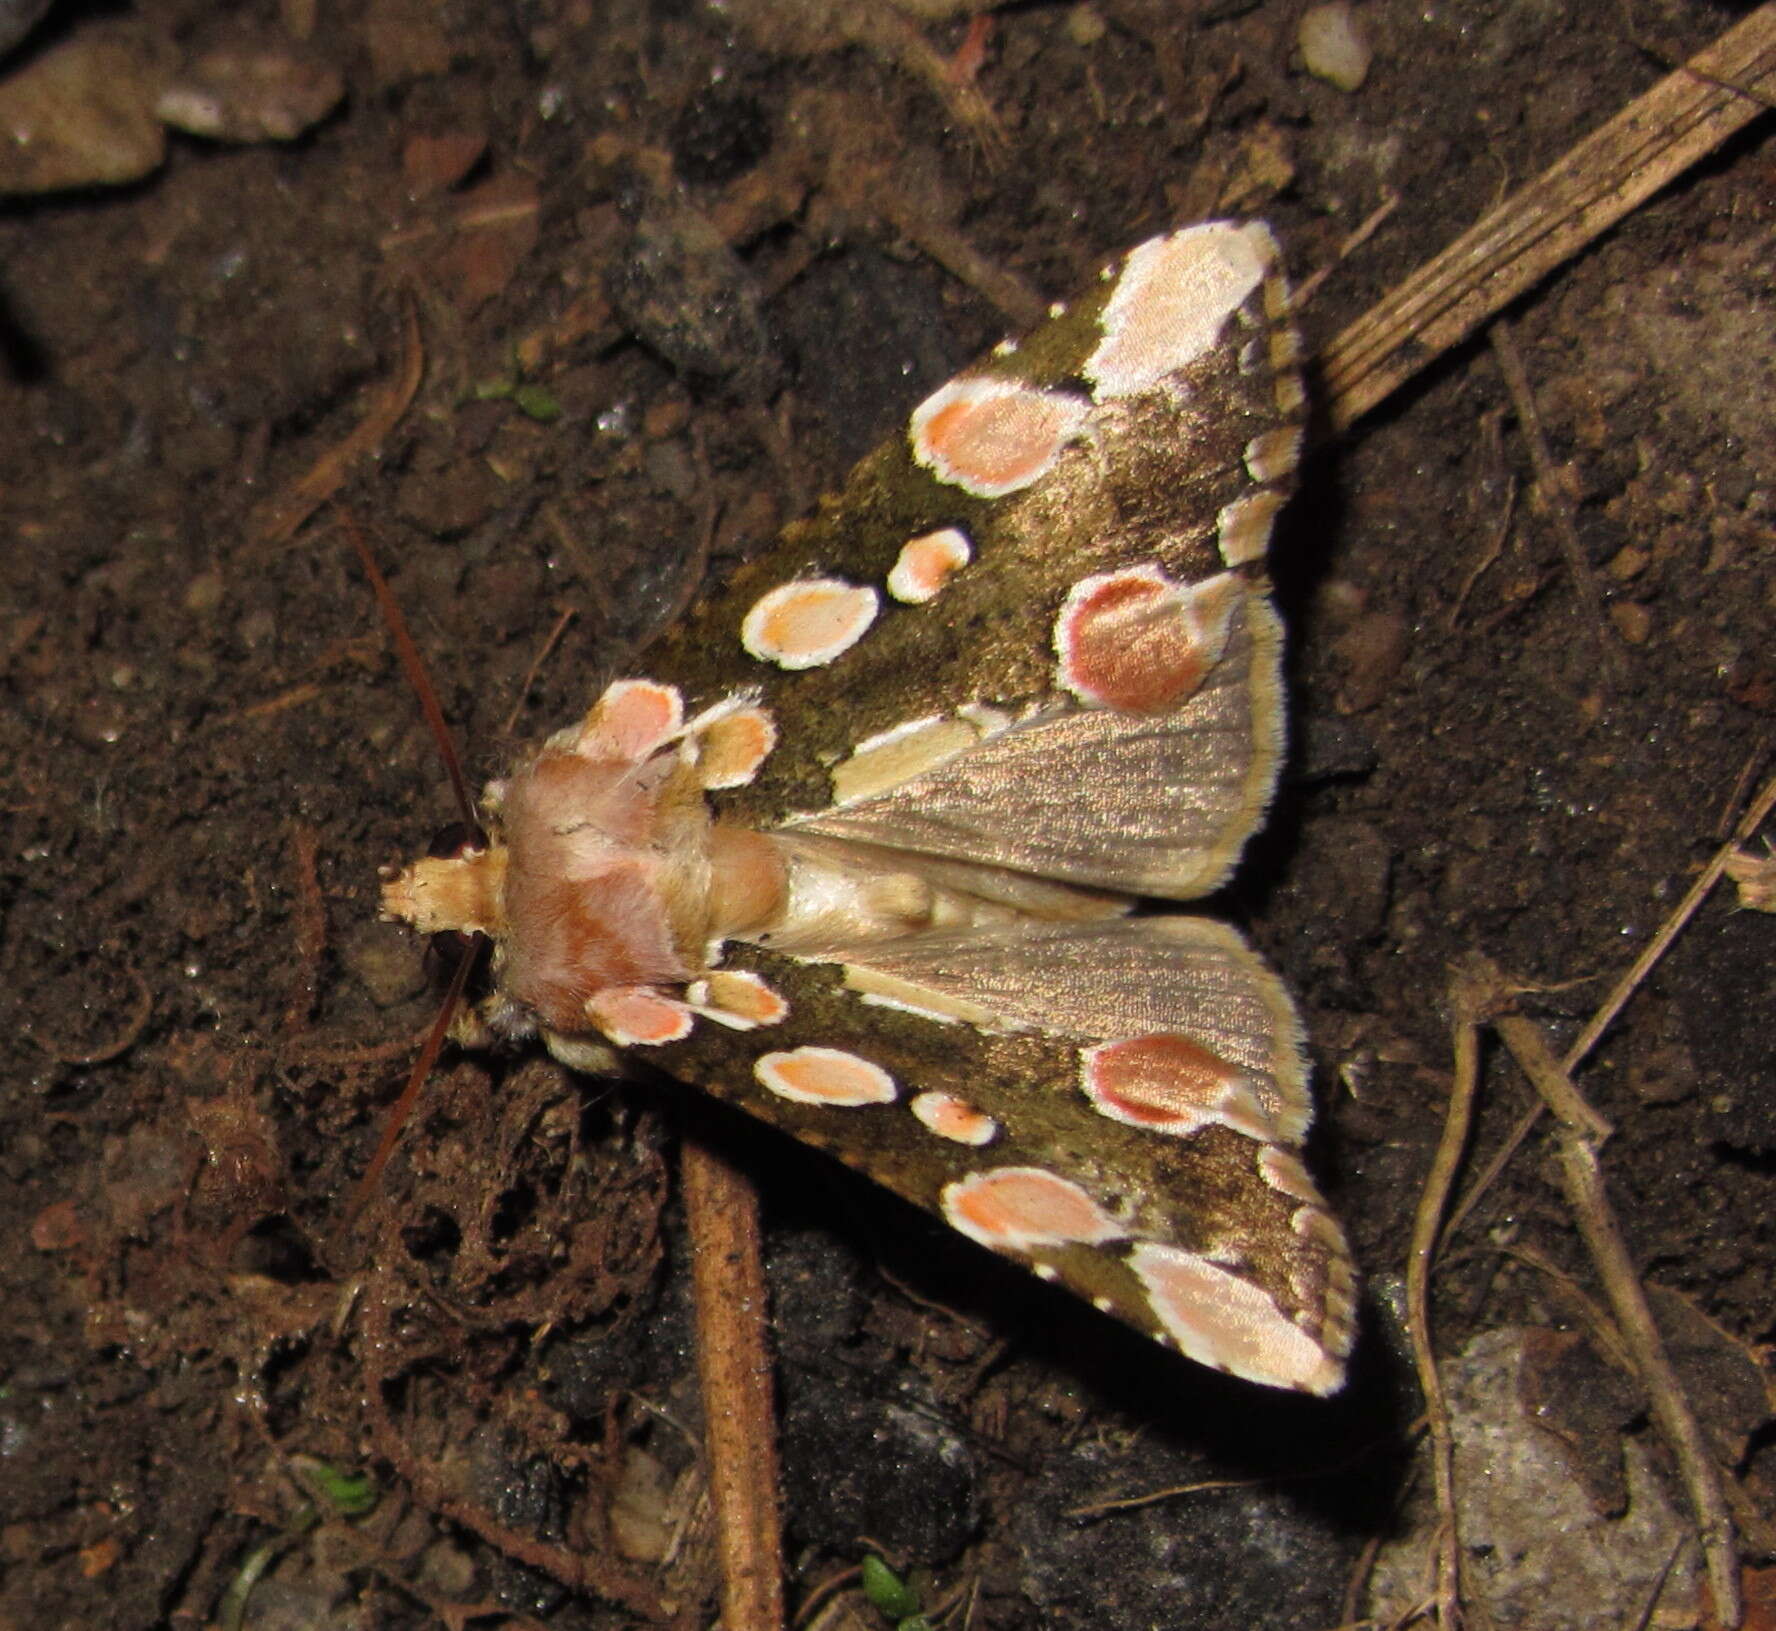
[607,880]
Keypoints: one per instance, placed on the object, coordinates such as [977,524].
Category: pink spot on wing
[1172,301]
[955,1119]
[636,1016]
[1222,1319]
[993,436]
[927,563]
[630,720]
[807,622]
[732,747]
[1020,1208]
[1170,1084]
[739,999]
[1135,641]
[827,1076]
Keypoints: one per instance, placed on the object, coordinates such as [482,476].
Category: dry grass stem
[1577,1137]
[734,1367]
[536,667]
[1649,143]
[1624,988]
[1426,1224]
[279,519]
[1553,495]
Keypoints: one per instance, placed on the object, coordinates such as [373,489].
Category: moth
[871,851]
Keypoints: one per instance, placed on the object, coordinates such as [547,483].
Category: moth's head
[458,887]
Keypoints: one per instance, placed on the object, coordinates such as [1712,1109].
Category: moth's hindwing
[1021,671]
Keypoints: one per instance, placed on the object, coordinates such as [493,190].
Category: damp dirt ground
[217,1406]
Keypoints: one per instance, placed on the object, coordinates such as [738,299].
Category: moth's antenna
[413,665]
[416,1079]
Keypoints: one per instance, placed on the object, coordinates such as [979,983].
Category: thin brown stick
[1577,1139]
[413,666]
[1366,229]
[1466,997]
[1152,1497]
[141,1011]
[1552,493]
[417,1077]
[734,1367]
[1648,144]
[536,668]
[279,519]
[1624,988]
[311,928]
[1020,304]
[1672,927]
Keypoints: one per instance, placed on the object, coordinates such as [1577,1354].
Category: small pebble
[386,962]
[1085,27]
[203,594]
[1632,620]
[81,114]
[1333,45]
[259,94]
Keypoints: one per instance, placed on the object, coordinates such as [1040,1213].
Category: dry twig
[1553,493]
[279,519]
[536,668]
[1467,997]
[1649,143]
[734,1366]
[1578,1136]
[311,928]
[1613,1004]
[141,1011]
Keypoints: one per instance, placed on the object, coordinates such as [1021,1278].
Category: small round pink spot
[993,436]
[630,720]
[1136,641]
[1020,1208]
[827,1076]
[732,747]
[927,563]
[955,1119]
[807,622]
[637,1016]
[1221,1319]
[739,999]
[1170,1084]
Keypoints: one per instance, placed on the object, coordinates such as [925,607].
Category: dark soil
[207,750]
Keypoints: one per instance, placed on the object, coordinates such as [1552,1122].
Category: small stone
[203,594]
[450,500]
[252,94]
[641,1513]
[1333,46]
[1632,620]
[1085,27]
[448,1569]
[665,418]
[1628,562]
[1371,652]
[435,164]
[386,962]
[81,115]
